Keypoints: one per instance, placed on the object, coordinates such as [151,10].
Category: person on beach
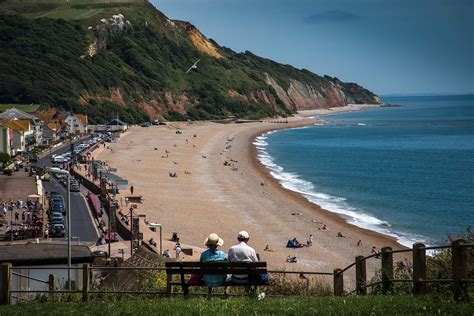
[131,189]
[212,254]
[242,252]
[178,250]
[309,242]
[375,251]
[359,242]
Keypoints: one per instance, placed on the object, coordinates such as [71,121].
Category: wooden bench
[184,269]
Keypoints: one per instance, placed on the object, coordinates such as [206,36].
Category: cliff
[129,58]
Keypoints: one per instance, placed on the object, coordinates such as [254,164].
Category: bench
[184,269]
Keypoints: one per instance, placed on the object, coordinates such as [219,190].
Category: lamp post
[68,215]
[161,235]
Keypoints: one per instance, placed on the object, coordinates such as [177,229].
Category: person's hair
[212,247]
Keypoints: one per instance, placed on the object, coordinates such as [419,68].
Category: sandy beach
[209,196]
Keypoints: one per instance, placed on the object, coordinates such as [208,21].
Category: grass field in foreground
[369,305]
[24,107]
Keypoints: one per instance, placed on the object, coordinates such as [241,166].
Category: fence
[459,280]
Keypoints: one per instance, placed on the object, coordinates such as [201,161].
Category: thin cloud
[333,16]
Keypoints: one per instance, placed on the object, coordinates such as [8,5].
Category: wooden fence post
[460,260]
[387,269]
[6,284]
[51,285]
[338,282]
[169,287]
[419,268]
[361,275]
[85,282]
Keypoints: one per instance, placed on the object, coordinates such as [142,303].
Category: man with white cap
[242,252]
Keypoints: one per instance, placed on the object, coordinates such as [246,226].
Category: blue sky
[388,46]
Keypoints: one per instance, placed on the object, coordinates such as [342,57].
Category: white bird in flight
[193,66]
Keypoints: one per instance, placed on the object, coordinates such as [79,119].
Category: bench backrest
[221,267]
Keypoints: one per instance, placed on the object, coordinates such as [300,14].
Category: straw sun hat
[213,239]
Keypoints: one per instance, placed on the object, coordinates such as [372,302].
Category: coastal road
[82,222]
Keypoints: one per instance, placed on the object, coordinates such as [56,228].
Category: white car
[59,159]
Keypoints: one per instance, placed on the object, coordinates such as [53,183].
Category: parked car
[58,230]
[57,218]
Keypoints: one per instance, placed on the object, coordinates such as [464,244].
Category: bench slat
[217,271]
[189,264]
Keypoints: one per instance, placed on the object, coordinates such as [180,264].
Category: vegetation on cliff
[80,57]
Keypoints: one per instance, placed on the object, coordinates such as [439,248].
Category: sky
[388,46]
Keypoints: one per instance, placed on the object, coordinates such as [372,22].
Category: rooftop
[43,254]
[14,113]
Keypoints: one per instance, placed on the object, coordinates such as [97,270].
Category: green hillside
[76,56]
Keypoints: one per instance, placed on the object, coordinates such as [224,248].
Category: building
[77,123]
[51,133]
[25,130]
[116,125]
[50,259]
[13,135]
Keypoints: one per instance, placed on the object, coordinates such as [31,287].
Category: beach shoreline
[242,197]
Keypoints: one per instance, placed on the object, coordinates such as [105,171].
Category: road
[83,225]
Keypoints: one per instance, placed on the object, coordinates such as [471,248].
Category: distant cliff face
[130,59]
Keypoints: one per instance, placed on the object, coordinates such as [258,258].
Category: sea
[405,171]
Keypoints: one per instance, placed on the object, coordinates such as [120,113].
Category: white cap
[243,235]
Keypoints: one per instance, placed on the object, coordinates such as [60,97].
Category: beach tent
[291,244]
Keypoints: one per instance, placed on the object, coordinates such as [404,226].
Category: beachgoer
[359,242]
[339,234]
[177,249]
[309,242]
[174,237]
[375,251]
[242,252]
[212,254]
[167,253]
[131,189]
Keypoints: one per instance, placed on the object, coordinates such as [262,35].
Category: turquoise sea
[405,171]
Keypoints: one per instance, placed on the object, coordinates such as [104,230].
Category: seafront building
[19,131]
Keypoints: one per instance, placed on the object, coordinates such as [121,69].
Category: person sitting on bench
[212,254]
[242,252]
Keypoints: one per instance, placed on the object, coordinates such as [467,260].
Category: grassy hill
[126,57]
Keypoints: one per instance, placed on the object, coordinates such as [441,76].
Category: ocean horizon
[404,171]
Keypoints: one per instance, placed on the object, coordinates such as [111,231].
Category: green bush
[4,158]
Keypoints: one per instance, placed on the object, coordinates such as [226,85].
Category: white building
[77,123]
[24,130]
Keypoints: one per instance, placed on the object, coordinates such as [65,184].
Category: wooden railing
[459,280]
